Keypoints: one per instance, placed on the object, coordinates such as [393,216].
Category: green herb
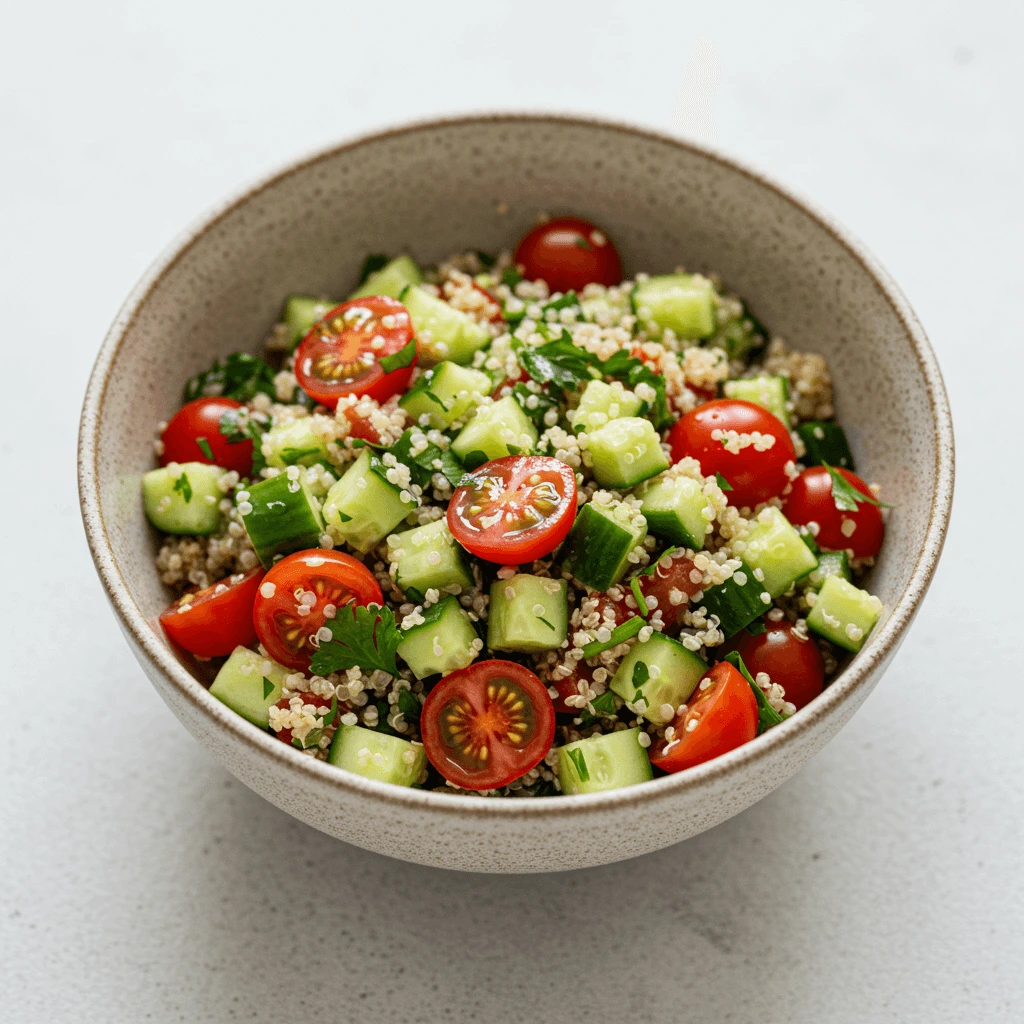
[363,637]
[475,459]
[632,371]
[767,716]
[620,634]
[579,760]
[311,740]
[808,538]
[344,516]
[435,399]
[522,394]
[546,623]
[722,482]
[268,687]
[604,706]
[558,362]
[290,456]
[486,259]
[640,676]
[204,446]
[511,277]
[333,713]
[655,562]
[634,585]
[374,262]
[582,243]
[382,719]
[757,627]
[409,706]
[422,465]
[405,356]
[846,496]
[241,376]
[182,485]
[237,425]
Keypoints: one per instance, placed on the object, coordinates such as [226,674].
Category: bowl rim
[879,648]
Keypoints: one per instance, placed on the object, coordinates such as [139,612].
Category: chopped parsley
[580,761]
[290,456]
[241,376]
[634,585]
[238,425]
[409,706]
[846,495]
[204,446]
[767,716]
[374,262]
[722,482]
[546,623]
[620,634]
[405,356]
[641,673]
[363,637]
[511,277]
[522,394]
[182,486]
[757,627]
[486,259]
[268,687]
[604,706]
[558,362]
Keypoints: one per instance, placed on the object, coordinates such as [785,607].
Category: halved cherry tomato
[321,705]
[754,475]
[790,659]
[300,593]
[214,621]
[810,501]
[568,253]
[486,725]
[340,355]
[196,427]
[514,509]
[724,709]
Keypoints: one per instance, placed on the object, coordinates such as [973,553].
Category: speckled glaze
[478,182]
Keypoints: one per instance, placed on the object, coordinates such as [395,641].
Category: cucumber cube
[445,394]
[281,515]
[825,442]
[771,393]
[737,602]
[442,331]
[363,506]
[626,451]
[597,549]
[662,673]
[496,430]
[301,312]
[527,613]
[843,613]
[442,643]
[391,280]
[677,509]
[249,683]
[601,402]
[830,563]
[428,556]
[682,303]
[777,553]
[376,755]
[183,497]
[600,763]
[299,443]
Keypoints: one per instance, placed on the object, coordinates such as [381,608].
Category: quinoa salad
[513,526]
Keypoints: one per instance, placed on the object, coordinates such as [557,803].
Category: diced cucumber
[442,331]
[527,613]
[445,393]
[363,506]
[428,556]
[298,443]
[597,549]
[442,643]
[600,763]
[391,280]
[683,303]
[662,673]
[249,683]
[625,452]
[603,308]
[377,755]
[843,613]
[281,515]
[601,402]
[830,563]
[183,497]
[496,430]
[677,509]
[301,312]
[825,442]
[737,601]
[738,336]
[771,393]
[776,552]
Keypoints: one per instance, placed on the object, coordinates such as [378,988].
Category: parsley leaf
[184,487]
[422,465]
[757,627]
[268,687]
[203,445]
[241,376]
[634,585]
[722,482]
[620,634]
[655,562]
[362,636]
[522,394]
[604,707]
[641,674]
[486,259]
[559,362]
[238,425]
[405,356]
[546,623]
[290,456]
[767,716]
[580,761]
[409,705]
[374,262]
[632,371]
[846,495]
[475,459]
[511,277]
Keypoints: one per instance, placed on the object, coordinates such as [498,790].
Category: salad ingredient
[657,676]
[215,620]
[625,452]
[249,684]
[811,500]
[376,755]
[281,514]
[676,508]
[603,762]
[788,657]
[183,497]
[445,393]
[300,313]
[825,441]
[444,641]
[497,430]
[601,402]
[682,303]
[606,533]
[568,253]
[388,277]
[527,613]
[427,557]
[843,613]
[830,563]
[776,553]
[771,393]
[442,331]
[193,434]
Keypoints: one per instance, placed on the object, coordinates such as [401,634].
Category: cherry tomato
[810,501]
[322,705]
[754,475]
[361,427]
[790,659]
[662,583]
[214,621]
[486,725]
[514,509]
[569,687]
[196,425]
[495,315]
[724,709]
[568,253]
[300,593]
[340,354]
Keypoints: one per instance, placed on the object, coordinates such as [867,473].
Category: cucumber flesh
[444,394]
[597,549]
[442,643]
[677,509]
[843,613]
[391,280]
[377,755]
[427,556]
[825,442]
[599,763]
[600,403]
[662,673]
[442,331]
[776,552]
[736,602]
[682,303]
[298,443]
[249,683]
[496,430]
[830,563]
[281,515]
[527,613]
[625,452]
[301,312]
[771,393]
[184,497]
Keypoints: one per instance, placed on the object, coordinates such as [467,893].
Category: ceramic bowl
[478,182]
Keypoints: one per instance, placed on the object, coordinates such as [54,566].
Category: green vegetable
[365,637]
[634,585]
[846,496]
[558,362]
[184,487]
[238,425]
[241,376]
[722,482]
[580,761]
[620,634]
[204,446]
[403,357]
[767,716]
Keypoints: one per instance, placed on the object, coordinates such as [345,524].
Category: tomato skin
[360,427]
[201,418]
[469,707]
[212,624]
[754,476]
[810,500]
[660,584]
[547,507]
[791,660]
[496,317]
[322,705]
[332,577]
[564,253]
[336,358]
[569,687]
[726,713]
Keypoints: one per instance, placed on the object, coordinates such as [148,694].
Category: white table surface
[142,882]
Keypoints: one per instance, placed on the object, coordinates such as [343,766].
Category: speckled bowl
[478,182]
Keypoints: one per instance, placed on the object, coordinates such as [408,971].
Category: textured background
[883,883]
